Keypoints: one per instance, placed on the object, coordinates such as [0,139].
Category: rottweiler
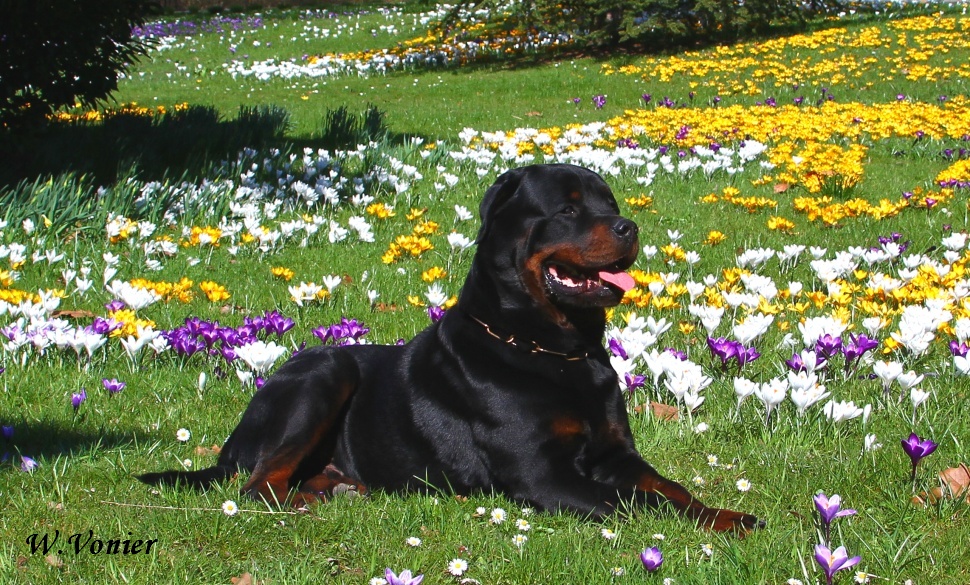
[511,391]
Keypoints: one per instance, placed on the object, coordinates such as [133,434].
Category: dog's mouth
[571,281]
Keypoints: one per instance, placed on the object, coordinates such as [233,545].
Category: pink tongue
[621,280]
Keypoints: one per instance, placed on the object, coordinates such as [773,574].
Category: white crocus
[260,355]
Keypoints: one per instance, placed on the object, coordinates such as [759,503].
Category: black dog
[512,390]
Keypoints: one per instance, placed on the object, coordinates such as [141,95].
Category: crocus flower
[956,349]
[917,448]
[27,464]
[78,398]
[858,345]
[616,348]
[113,386]
[6,431]
[833,561]
[652,558]
[435,313]
[829,509]
[724,349]
[404,578]
[828,345]
[747,354]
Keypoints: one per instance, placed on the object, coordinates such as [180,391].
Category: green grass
[88,458]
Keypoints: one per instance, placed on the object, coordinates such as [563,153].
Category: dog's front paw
[730,521]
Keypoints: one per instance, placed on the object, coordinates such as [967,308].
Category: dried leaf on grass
[213,450]
[74,314]
[954,484]
[659,410]
[244,579]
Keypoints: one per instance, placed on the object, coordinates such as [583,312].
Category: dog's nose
[625,228]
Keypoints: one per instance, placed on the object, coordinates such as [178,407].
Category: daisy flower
[457,567]
[497,516]
[413,541]
[617,571]
[229,508]
[523,524]
[519,540]
[183,435]
[743,485]
[608,533]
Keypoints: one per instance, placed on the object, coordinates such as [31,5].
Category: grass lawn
[793,194]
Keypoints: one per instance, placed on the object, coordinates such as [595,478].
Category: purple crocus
[347,332]
[917,448]
[747,354]
[113,386]
[858,345]
[723,349]
[277,324]
[616,348]
[633,381]
[833,561]
[652,558]
[676,353]
[6,431]
[78,398]
[435,313]
[728,349]
[829,508]
[599,101]
[956,349]
[828,345]
[404,578]
[115,305]
[28,464]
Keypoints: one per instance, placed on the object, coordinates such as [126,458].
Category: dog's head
[554,232]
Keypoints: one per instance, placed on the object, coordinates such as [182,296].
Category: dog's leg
[288,432]
[331,481]
[652,485]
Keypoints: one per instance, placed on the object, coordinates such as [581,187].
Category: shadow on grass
[46,440]
[181,144]
[184,141]
[662,45]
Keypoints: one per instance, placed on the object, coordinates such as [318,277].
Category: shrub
[55,53]
[663,23]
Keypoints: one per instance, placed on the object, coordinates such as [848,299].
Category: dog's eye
[568,210]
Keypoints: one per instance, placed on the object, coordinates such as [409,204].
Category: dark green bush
[663,23]
[54,53]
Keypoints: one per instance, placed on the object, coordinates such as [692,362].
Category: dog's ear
[496,196]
